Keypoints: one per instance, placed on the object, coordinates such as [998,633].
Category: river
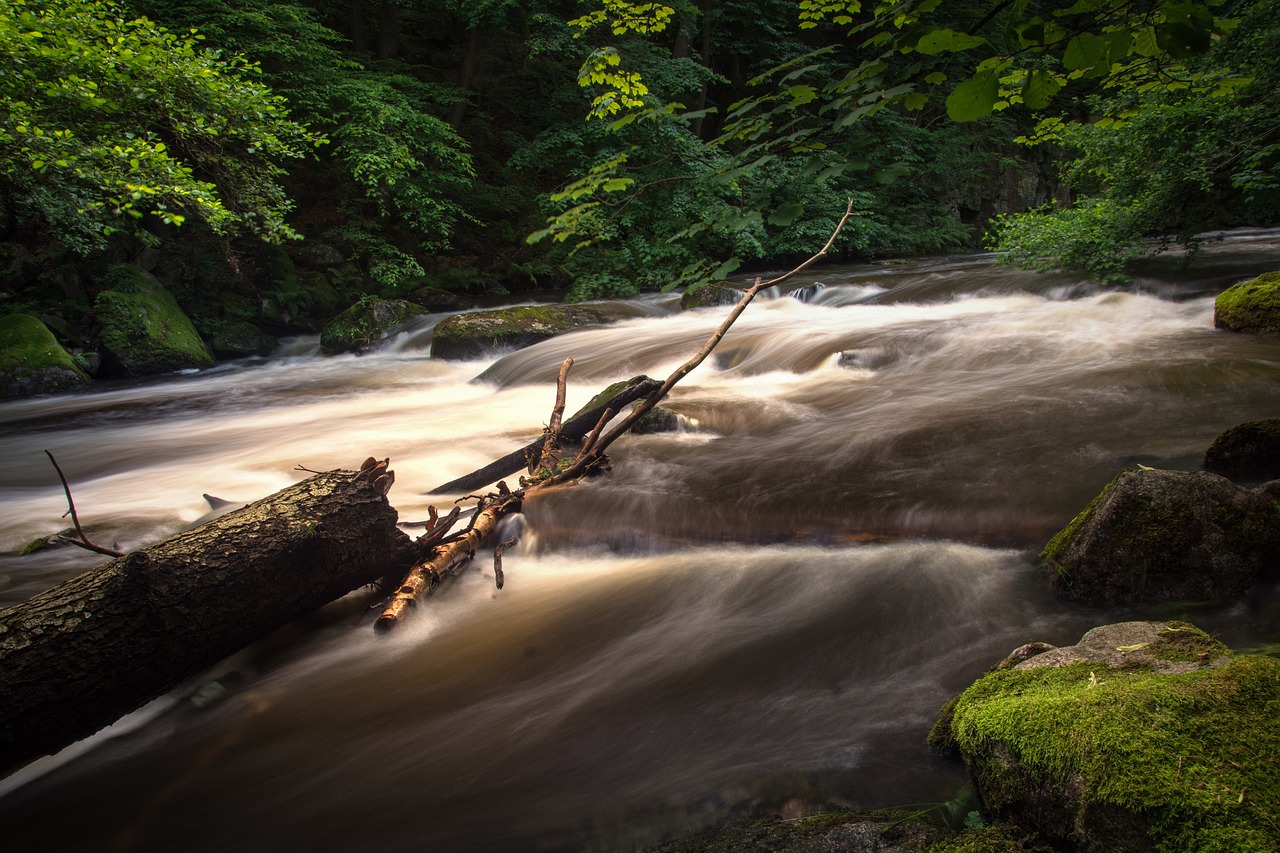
[758,613]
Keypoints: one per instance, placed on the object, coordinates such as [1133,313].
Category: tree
[115,123]
[1167,162]
[821,115]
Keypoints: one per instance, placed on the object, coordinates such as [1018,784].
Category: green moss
[996,838]
[480,332]
[1182,641]
[31,359]
[1050,555]
[1192,757]
[364,323]
[1251,306]
[143,327]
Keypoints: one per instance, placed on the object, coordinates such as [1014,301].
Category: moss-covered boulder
[1249,452]
[144,332]
[32,361]
[1154,536]
[1251,306]
[1171,749]
[241,339]
[481,333]
[362,325]
[709,295]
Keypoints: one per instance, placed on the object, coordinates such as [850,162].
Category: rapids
[761,611]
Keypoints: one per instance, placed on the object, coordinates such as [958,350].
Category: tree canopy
[111,119]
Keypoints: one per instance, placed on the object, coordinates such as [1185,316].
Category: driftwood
[571,430]
[549,470]
[78,657]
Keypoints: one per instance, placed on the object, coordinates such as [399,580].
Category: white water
[766,607]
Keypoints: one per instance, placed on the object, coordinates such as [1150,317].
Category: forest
[481,149]
[959,531]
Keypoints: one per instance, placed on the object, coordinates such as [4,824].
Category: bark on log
[573,429]
[80,656]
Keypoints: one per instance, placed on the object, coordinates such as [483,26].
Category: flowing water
[759,612]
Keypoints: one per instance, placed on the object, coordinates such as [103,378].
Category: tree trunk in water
[80,656]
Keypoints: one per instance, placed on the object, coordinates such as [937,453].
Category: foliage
[1167,162]
[399,170]
[114,124]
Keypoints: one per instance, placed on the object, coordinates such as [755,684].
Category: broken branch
[83,542]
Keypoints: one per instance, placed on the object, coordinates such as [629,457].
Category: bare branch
[644,406]
[75,519]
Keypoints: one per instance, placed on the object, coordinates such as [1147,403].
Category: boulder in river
[143,330]
[1154,536]
[359,327]
[1250,306]
[480,333]
[1144,736]
[1249,452]
[32,361]
[240,339]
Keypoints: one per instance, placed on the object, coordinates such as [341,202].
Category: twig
[547,458]
[71,508]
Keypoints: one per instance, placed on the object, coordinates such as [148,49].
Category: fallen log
[80,656]
[571,430]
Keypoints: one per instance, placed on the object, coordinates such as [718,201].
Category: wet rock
[1251,306]
[871,358]
[144,332]
[362,325]
[850,832]
[242,339]
[480,333]
[1248,452]
[32,361]
[1154,536]
[1135,739]
[708,295]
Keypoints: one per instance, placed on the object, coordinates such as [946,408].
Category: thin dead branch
[83,541]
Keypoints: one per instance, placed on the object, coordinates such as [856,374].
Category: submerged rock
[1249,452]
[1154,536]
[1250,306]
[143,330]
[480,333]
[1166,743]
[32,361]
[359,327]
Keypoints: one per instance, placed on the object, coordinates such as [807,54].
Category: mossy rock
[656,420]
[1096,757]
[481,333]
[1248,452]
[241,339]
[362,325]
[1251,306]
[32,361]
[1155,536]
[709,295]
[143,329]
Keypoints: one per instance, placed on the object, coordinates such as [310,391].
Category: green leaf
[974,98]
[947,41]
[1039,88]
[1083,52]
[721,272]
[786,214]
